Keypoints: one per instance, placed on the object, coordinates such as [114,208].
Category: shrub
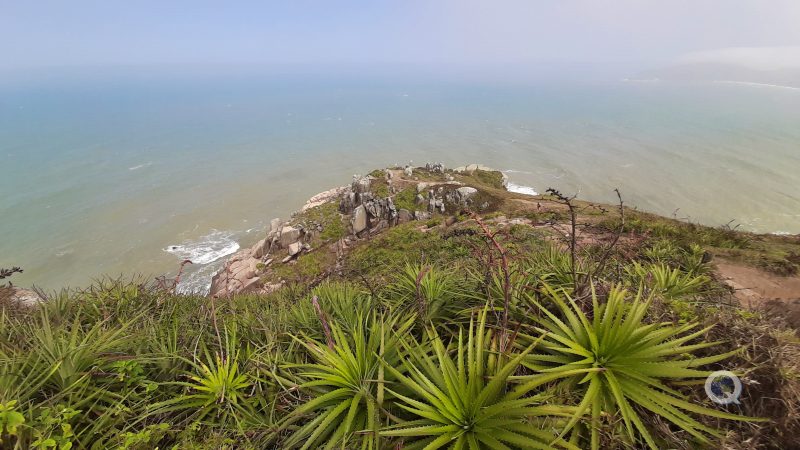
[345,385]
[467,400]
[669,283]
[632,361]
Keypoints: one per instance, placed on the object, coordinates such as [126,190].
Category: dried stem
[325,327]
[603,259]
[506,277]
[421,304]
[573,243]
[180,272]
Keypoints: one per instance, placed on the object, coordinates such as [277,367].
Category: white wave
[198,282]
[750,83]
[520,189]
[207,249]
[517,171]
[782,233]
[147,164]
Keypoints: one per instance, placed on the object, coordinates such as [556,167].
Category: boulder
[404,216]
[250,285]
[235,276]
[260,249]
[23,297]
[465,194]
[274,225]
[374,208]
[379,225]
[361,184]
[435,167]
[408,171]
[289,235]
[472,168]
[324,197]
[359,220]
[295,248]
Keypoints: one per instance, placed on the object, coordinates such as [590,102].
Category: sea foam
[206,249]
[520,189]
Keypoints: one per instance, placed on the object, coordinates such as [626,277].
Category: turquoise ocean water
[106,177]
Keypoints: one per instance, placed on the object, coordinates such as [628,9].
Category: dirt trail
[756,289]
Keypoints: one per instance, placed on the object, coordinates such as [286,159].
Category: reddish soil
[756,289]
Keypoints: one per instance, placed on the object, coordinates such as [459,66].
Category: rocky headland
[369,204]
[763,274]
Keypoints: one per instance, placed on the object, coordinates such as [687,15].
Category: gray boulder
[404,216]
[260,249]
[289,235]
[274,225]
[465,193]
[422,215]
[359,220]
[295,248]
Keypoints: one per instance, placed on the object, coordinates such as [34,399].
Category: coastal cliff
[425,307]
[435,197]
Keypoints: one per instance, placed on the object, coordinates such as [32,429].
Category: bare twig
[324,320]
[180,272]
[214,321]
[602,261]
[573,243]
[5,273]
[421,304]
[506,276]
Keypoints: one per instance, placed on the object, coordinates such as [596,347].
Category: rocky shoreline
[366,206]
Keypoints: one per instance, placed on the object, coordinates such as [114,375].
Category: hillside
[424,307]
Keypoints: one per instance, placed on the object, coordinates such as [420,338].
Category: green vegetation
[406,199]
[408,347]
[304,270]
[326,216]
[478,334]
[490,178]
[615,359]
[776,254]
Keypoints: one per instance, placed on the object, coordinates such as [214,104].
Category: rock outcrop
[366,206]
[367,210]
[241,273]
[24,298]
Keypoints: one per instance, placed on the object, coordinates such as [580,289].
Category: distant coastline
[751,83]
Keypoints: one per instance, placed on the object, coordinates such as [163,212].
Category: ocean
[108,177]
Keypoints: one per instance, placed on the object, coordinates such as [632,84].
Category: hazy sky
[36,33]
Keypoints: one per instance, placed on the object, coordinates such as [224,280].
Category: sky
[48,33]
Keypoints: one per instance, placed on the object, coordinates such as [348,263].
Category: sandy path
[756,289]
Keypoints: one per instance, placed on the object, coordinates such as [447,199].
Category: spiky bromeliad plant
[669,283]
[464,398]
[635,361]
[430,291]
[346,385]
[218,391]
